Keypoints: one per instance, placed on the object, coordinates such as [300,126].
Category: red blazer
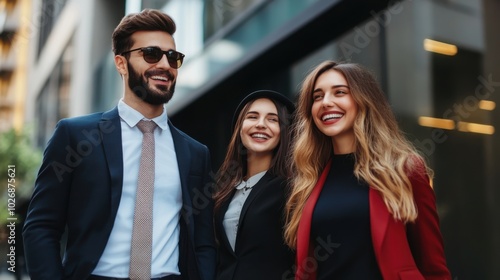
[412,251]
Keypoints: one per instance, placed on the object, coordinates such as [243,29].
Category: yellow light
[440,47]
[476,128]
[487,105]
[436,123]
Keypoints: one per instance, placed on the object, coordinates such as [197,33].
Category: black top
[340,227]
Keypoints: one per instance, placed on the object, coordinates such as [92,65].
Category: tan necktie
[142,233]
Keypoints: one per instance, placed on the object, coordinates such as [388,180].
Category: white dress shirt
[167,200]
[232,216]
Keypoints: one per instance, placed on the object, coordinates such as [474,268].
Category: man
[96,168]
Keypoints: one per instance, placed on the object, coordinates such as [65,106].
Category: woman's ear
[121,64]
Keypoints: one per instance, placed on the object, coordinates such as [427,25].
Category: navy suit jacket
[78,191]
[260,251]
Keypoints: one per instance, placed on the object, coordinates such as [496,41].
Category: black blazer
[78,189]
[260,252]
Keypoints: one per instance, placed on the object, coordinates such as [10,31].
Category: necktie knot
[146,126]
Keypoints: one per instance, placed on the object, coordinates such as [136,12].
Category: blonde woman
[361,205]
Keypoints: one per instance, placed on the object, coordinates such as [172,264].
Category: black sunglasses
[154,54]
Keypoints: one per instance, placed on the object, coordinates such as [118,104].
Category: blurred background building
[437,60]
[14,39]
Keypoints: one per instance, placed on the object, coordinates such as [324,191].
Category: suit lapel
[379,220]
[257,188]
[220,220]
[111,135]
[304,229]
[182,153]
[379,215]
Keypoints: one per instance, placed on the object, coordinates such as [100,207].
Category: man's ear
[121,64]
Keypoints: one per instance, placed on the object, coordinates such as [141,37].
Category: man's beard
[154,96]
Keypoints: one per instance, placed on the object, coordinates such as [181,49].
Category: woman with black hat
[252,189]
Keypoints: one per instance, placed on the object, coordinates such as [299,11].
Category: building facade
[15,34]
[437,62]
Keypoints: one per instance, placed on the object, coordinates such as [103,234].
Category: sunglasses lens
[152,55]
[174,59]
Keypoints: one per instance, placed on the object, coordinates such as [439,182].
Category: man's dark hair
[147,20]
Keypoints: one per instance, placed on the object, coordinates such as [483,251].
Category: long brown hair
[383,155]
[234,166]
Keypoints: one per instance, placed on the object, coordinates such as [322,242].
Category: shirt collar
[132,116]
[251,181]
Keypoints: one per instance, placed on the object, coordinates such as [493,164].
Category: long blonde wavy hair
[383,154]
